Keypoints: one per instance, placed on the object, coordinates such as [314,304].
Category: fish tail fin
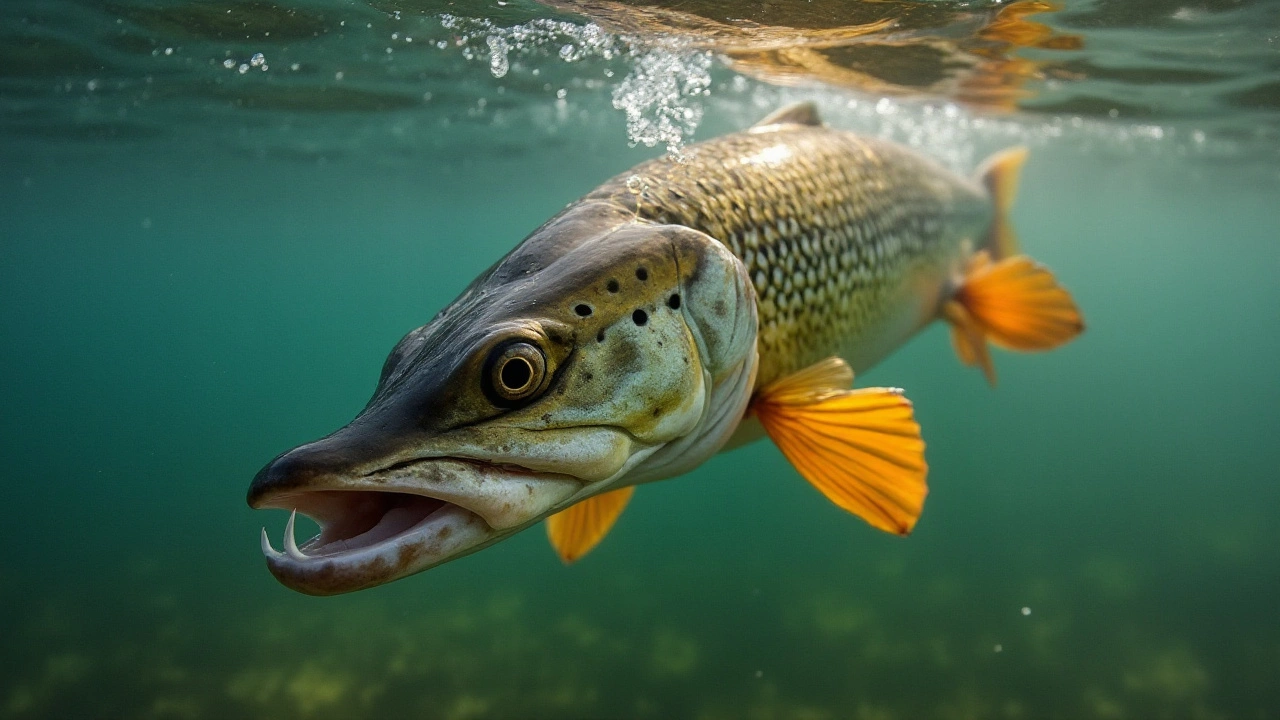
[999,175]
[860,448]
[1016,304]
[576,530]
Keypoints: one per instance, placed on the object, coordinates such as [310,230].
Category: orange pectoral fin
[574,531]
[860,448]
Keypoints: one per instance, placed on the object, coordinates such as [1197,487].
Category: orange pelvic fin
[574,531]
[860,448]
[1015,303]
[999,174]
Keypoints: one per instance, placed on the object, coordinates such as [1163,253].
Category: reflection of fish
[887,47]
[627,339]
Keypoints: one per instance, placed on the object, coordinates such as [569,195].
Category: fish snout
[323,464]
[296,470]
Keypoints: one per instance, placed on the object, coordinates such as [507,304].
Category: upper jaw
[394,522]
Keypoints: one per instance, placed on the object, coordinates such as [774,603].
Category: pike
[679,309]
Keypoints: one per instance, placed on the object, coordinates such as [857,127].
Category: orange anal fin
[860,448]
[968,339]
[1018,304]
[574,531]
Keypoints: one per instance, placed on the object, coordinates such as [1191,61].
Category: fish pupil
[516,374]
[640,317]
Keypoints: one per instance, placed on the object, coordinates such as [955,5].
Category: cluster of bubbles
[659,94]
[256,61]
[656,96]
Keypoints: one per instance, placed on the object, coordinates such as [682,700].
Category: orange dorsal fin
[860,448]
[1016,304]
[999,174]
[574,531]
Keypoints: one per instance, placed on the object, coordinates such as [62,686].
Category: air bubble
[257,60]
[498,63]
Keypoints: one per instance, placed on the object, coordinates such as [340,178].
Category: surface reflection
[966,53]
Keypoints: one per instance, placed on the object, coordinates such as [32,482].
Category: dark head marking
[600,336]
[612,286]
[673,302]
[582,309]
[640,317]
[642,274]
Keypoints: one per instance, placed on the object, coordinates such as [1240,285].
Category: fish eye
[516,371]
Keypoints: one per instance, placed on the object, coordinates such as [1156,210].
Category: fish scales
[830,225]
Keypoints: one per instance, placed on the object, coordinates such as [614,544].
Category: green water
[178,305]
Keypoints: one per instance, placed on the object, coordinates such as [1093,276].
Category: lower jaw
[447,533]
[362,544]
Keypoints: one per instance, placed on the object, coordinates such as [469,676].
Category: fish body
[679,307]
[851,243]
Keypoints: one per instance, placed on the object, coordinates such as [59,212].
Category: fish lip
[399,523]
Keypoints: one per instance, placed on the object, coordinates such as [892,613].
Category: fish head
[568,369]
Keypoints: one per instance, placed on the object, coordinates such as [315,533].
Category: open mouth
[368,538]
[383,526]
[354,520]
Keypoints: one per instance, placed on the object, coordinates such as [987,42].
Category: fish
[690,305]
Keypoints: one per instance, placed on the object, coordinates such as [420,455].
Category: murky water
[210,236]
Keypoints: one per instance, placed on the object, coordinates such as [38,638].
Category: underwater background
[216,218]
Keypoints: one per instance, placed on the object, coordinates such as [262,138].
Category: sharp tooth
[266,546]
[291,545]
